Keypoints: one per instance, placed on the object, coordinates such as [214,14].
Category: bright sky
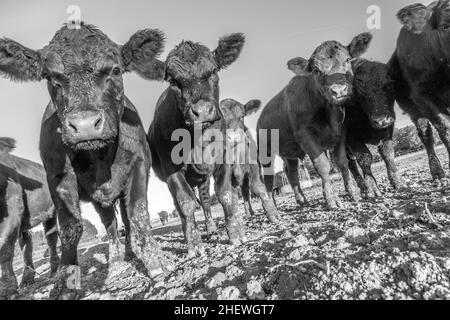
[276,31]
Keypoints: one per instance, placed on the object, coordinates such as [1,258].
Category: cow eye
[116,71]
[445,26]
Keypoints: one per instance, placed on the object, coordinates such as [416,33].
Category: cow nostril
[73,128]
[195,112]
[98,123]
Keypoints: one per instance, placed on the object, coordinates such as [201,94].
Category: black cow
[421,70]
[92,141]
[191,103]
[164,217]
[247,169]
[25,202]
[308,113]
[369,119]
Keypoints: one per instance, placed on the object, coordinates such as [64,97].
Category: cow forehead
[331,50]
[190,61]
[80,51]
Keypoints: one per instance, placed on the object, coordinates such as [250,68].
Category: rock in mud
[357,235]
[255,290]
[229,293]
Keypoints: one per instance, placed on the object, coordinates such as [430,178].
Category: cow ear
[19,63]
[140,52]
[414,17]
[359,44]
[298,66]
[251,107]
[229,49]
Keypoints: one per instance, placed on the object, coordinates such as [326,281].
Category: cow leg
[26,246]
[185,202]
[11,214]
[108,218]
[245,191]
[323,167]
[65,197]
[51,234]
[386,150]
[442,124]
[126,224]
[268,181]
[364,158]
[228,197]
[259,189]
[291,169]
[8,281]
[340,157]
[143,245]
[205,201]
[425,133]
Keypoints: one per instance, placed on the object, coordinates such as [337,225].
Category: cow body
[92,142]
[247,170]
[25,202]
[369,119]
[308,113]
[420,69]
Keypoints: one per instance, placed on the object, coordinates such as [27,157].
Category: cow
[369,119]
[308,114]
[92,142]
[191,104]
[420,67]
[248,168]
[164,217]
[25,202]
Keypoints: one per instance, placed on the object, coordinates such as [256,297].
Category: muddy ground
[389,248]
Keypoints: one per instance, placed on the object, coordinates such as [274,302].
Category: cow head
[330,65]
[374,90]
[84,69]
[233,114]
[418,18]
[192,71]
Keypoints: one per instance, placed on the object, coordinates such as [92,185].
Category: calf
[25,202]
[191,103]
[247,170]
[309,114]
[421,70]
[92,141]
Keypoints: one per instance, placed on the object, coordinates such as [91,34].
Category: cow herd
[94,146]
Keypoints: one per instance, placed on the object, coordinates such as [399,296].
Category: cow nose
[204,112]
[86,126]
[339,90]
[384,121]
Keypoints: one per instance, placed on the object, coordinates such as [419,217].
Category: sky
[276,30]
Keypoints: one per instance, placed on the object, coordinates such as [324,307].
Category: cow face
[418,18]
[233,113]
[374,90]
[330,65]
[84,69]
[192,71]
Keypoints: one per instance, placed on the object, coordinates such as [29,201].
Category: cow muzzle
[382,122]
[86,130]
[340,91]
[202,113]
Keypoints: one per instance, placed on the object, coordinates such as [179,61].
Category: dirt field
[384,249]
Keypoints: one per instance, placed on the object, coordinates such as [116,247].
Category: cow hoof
[27,277]
[67,284]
